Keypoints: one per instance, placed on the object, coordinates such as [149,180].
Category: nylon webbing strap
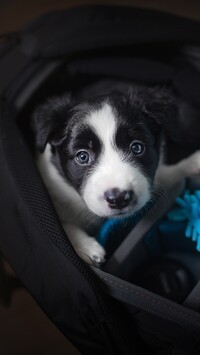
[135,296]
[193,299]
[126,250]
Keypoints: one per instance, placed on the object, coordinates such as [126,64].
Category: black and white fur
[99,155]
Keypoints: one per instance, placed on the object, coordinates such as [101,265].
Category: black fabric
[187,78]
[94,27]
[150,71]
[145,70]
[178,351]
[172,320]
[9,68]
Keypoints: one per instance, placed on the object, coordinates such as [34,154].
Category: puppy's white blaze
[103,122]
[112,171]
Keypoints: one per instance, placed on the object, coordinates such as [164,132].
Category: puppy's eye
[137,148]
[82,157]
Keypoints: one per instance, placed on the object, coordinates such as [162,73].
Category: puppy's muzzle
[118,199]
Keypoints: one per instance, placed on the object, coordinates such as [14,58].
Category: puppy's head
[107,148]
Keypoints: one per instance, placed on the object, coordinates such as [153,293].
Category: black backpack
[99,311]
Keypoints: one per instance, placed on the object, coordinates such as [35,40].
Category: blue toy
[114,230]
[189,210]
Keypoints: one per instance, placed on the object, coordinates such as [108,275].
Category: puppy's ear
[49,121]
[161,106]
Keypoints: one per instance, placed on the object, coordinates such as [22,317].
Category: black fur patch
[79,139]
[133,125]
[148,160]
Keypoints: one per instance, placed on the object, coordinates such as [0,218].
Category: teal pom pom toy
[188,210]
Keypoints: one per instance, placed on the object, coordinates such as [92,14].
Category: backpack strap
[180,325]
[193,299]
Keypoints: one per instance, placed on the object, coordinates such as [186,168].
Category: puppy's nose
[117,198]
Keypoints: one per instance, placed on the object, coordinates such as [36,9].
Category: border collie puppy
[99,155]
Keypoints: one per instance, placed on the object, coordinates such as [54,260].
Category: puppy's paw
[86,247]
[91,251]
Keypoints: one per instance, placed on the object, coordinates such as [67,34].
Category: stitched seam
[153,300]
